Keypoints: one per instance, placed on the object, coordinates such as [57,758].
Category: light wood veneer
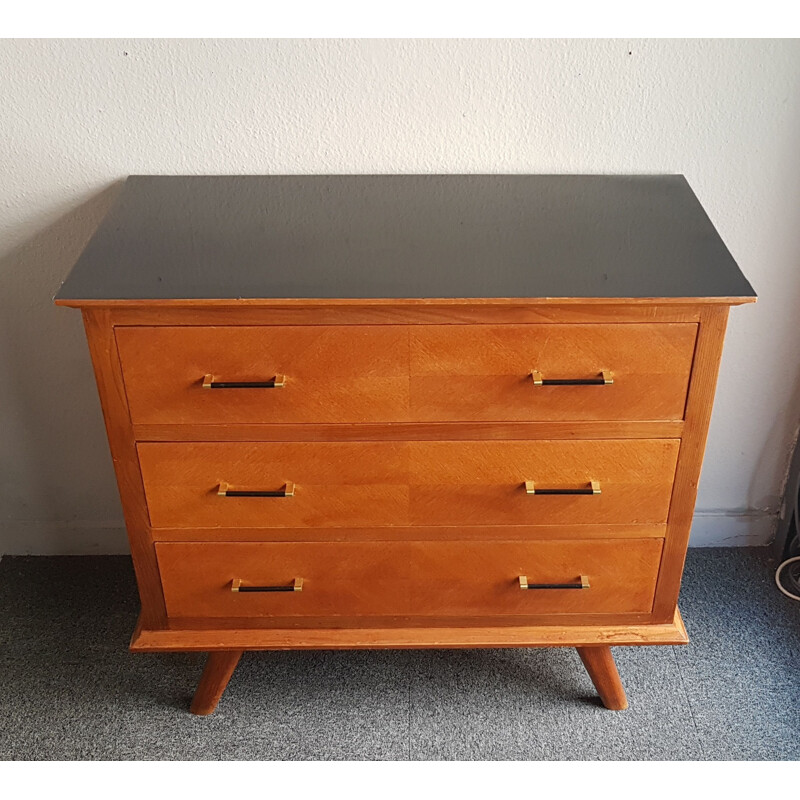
[359,484]
[392,373]
[408,424]
[411,579]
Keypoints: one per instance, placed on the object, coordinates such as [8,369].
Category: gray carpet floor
[71,690]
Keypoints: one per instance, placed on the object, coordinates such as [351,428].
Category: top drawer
[332,373]
[397,373]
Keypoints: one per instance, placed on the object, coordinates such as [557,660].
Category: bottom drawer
[378,579]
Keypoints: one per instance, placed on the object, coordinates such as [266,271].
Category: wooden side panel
[687,477]
[467,372]
[102,346]
[358,484]
[371,579]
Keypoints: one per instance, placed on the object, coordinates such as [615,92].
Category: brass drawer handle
[225,490]
[278,382]
[605,378]
[523,584]
[296,586]
[593,488]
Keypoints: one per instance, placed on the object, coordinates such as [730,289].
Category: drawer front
[542,482]
[336,484]
[414,373]
[483,372]
[332,373]
[370,579]
[367,484]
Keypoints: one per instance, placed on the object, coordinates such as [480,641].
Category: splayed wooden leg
[217,673]
[602,670]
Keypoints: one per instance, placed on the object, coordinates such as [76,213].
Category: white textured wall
[76,116]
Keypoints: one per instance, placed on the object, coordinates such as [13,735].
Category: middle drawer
[368,484]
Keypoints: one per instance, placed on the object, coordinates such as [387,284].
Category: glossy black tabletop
[405,236]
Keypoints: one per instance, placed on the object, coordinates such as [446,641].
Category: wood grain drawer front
[484,483]
[337,484]
[370,579]
[332,373]
[483,372]
[363,484]
[396,373]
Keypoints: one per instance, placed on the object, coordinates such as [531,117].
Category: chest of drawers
[406,411]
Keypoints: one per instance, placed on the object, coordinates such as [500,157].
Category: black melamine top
[405,236]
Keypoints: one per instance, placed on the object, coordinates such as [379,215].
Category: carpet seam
[409,711]
[689,704]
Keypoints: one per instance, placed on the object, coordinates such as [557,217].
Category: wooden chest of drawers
[409,411]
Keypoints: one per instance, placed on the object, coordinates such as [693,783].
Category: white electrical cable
[778,576]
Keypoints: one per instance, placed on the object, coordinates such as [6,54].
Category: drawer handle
[278,382]
[297,586]
[523,584]
[225,490]
[604,379]
[592,488]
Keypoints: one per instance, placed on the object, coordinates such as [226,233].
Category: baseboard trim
[78,538]
[733,529]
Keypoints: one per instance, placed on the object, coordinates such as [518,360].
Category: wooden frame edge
[150,640]
[223,312]
[121,442]
[697,418]
[276,302]
[407,431]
